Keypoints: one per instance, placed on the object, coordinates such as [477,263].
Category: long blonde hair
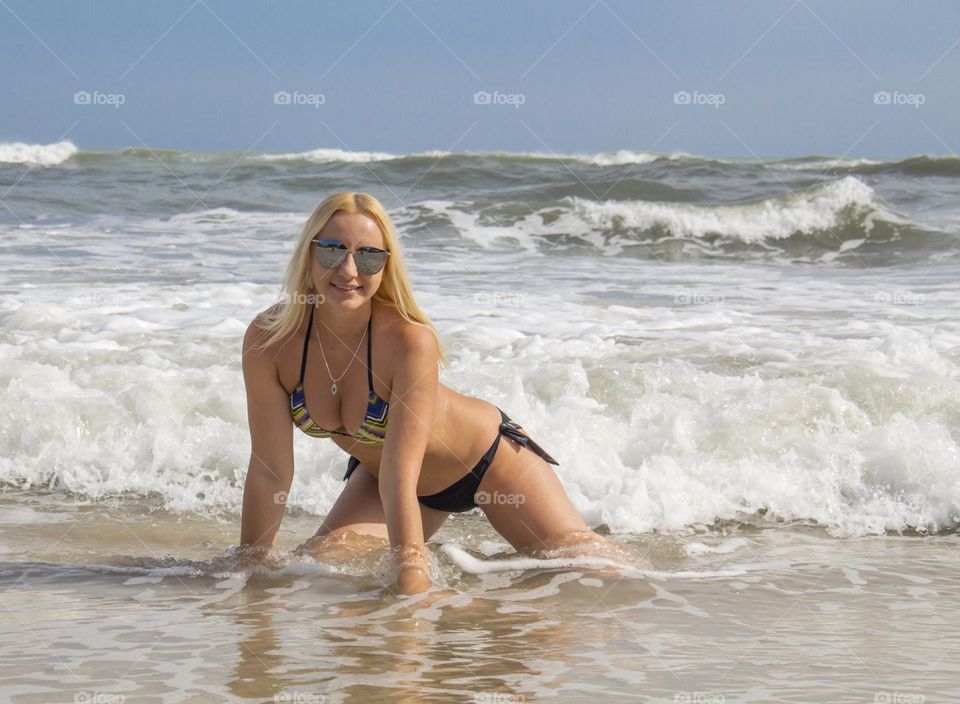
[297,293]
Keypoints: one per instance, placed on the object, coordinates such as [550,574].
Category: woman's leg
[526,503]
[359,510]
[524,500]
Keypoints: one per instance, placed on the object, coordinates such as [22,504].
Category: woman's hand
[253,556]
[413,580]
[412,565]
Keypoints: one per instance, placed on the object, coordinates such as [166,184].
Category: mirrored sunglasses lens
[329,257]
[370,262]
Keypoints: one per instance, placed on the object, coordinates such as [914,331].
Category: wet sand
[112,601]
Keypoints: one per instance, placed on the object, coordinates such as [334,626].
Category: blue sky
[765,78]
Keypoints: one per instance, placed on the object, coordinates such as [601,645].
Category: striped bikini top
[373,429]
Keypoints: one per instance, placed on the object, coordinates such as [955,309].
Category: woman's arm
[413,397]
[270,472]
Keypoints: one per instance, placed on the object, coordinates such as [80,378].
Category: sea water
[747,369]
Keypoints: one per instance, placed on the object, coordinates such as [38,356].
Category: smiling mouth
[349,289]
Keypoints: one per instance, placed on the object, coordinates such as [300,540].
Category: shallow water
[748,370]
[105,600]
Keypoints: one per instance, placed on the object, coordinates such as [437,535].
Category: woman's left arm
[413,398]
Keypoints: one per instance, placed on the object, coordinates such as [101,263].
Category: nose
[348,267]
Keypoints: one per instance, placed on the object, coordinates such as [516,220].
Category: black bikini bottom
[459,496]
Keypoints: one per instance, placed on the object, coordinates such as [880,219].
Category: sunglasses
[330,254]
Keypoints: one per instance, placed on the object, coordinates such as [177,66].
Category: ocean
[747,369]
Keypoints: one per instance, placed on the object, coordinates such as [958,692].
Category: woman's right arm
[270,472]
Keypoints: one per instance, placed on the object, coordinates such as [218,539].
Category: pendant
[333,388]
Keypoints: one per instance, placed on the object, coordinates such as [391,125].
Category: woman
[352,357]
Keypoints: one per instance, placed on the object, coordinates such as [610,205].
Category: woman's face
[346,285]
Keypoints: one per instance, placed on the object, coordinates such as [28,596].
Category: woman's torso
[462,427]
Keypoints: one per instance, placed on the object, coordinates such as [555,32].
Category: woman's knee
[345,542]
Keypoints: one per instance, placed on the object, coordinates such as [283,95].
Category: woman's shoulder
[260,330]
[409,348]
[399,331]
[271,313]
[403,340]
[265,320]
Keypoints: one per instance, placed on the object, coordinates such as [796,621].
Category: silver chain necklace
[333,386]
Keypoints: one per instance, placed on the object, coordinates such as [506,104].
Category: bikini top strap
[306,344]
[369,351]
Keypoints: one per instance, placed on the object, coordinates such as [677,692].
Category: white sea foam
[672,395]
[324,155]
[328,155]
[724,548]
[36,154]
[712,411]
[610,225]
[622,156]
[770,219]
[823,164]
[468,563]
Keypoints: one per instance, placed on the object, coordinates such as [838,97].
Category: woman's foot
[590,544]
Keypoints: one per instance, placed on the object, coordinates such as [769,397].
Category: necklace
[333,386]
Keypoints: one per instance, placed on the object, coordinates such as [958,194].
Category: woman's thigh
[524,500]
[360,510]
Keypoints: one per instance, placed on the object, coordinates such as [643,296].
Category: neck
[346,326]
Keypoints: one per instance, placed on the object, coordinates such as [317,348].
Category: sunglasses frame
[358,255]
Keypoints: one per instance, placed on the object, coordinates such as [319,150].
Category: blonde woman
[350,356]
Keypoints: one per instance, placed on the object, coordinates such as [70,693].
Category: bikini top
[373,429]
